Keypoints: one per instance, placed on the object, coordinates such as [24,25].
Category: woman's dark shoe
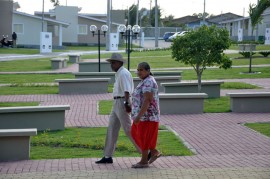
[140,165]
[155,157]
[105,160]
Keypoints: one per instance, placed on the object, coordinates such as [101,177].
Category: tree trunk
[199,76]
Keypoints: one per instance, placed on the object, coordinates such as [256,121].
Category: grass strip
[89,142]
[263,128]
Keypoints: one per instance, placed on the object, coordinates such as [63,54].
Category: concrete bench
[40,117]
[73,58]
[159,80]
[250,102]
[212,88]
[93,67]
[166,73]
[58,63]
[178,103]
[83,86]
[15,144]
[110,75]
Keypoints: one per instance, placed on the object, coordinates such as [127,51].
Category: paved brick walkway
[224,147]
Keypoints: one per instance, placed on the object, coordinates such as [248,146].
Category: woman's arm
[148,97]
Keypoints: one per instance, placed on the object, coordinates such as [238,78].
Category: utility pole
[108,40]
[204,13]
[257,28]
[137,13]
[156,24]
[150,12]
[42,29]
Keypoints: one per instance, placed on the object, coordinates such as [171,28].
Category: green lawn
[263,128]
[15,104]
[89,142]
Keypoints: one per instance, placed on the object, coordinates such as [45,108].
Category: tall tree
[201,48]
[152,14]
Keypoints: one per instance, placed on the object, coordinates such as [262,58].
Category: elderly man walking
[120,115]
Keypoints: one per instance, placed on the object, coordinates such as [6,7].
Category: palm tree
[55,2]
[255,12]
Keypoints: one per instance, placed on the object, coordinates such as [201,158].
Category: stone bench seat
[15,144]
[93,66]
[159,80]
[181,103]
[58,63]
[250,102]
[74,58]
[212,88]
[83,85]
[40,117]
[110,75]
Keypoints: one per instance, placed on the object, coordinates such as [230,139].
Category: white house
[28,28]
[240,29]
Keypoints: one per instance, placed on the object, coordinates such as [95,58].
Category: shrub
[246,54]
[265,53]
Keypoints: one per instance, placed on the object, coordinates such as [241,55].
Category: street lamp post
[129,32]
[93,29]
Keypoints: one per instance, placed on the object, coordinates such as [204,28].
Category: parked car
[167,35]
[170,39]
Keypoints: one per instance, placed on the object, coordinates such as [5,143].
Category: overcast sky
[177,8]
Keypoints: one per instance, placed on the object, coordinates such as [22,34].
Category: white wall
[68,14]
[31,29]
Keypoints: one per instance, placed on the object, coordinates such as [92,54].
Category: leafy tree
[132,14]
[55,2]
[255,12]
[168,21]
[152,14]
[201,48]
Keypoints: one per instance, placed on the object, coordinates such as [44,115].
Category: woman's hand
[136,120]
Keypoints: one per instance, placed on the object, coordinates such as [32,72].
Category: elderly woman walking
[145,115]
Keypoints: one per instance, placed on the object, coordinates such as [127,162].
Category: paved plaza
[224,148]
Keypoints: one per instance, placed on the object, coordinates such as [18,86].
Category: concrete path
[223,146]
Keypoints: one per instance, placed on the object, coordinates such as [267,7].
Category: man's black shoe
[105,160]
[149,156]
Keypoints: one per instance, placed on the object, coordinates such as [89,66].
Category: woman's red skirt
[145,134]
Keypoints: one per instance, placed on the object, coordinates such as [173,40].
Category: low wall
[110,75]
[250,102]
[178,103]
[83,86]
[40,117]
[15,144]
[211,88]
[93,67]
[159,80]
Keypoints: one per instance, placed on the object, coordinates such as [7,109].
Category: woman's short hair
[145,66]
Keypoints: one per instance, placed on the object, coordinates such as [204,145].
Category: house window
[18,28]
[82,29]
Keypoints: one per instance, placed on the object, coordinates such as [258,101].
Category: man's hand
[127,106]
